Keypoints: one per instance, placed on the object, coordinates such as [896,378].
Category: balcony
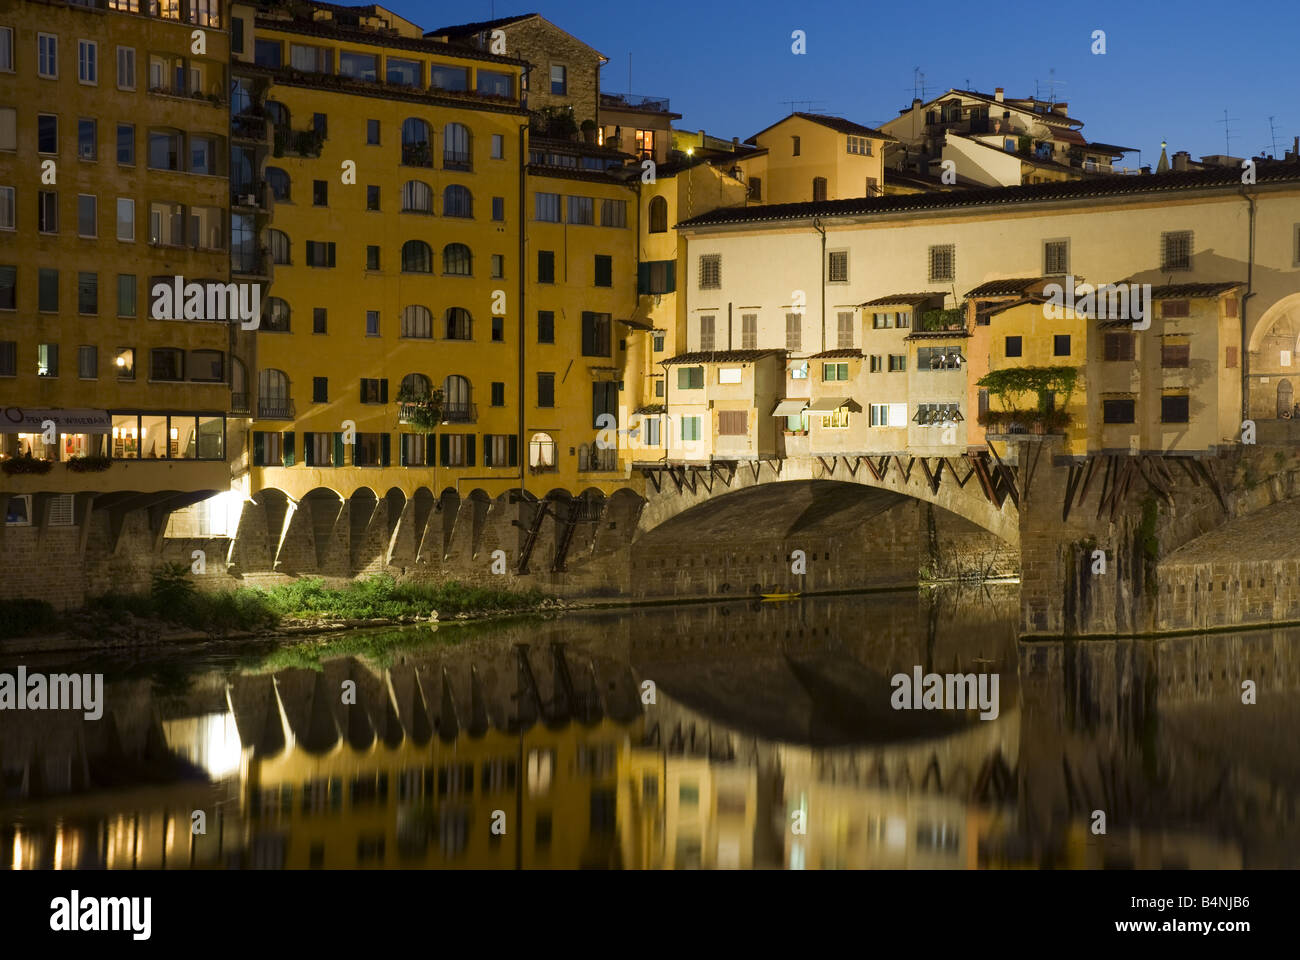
[252,196]
[239,403]
[593,459]
[417,155]
[297,143]
[249,125]
[275,408]
[251,263]
[460,413]
[631,101]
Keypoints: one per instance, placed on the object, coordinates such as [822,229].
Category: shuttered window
[846,331]
[793,331]
[733,423]
[749,331]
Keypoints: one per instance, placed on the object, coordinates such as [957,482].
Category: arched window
[456,260]
[415,385]
[460,325]
[456,406]
[276,315]
[417,322]
[277,113]
[457,201]
[417,149]
[166,363]
[658,215]
[819,188]
[278,242]
[273,395]
[207,366]
[417,257]
[416,197]
[541,452]
[455,147]
[279,181]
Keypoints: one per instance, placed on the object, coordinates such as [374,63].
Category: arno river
[716,735]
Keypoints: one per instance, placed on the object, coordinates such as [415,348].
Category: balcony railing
[249,195]
[417,155]
[239,403]
[275,408]
[250,125]
[634,102]
[460,413]
[594,459]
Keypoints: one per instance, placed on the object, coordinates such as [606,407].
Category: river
[741,735]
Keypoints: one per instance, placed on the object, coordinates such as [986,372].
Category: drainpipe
[523,268]
[817,225]
[1250,292]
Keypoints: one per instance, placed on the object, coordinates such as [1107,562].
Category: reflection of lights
[58,846]
[210,741]
[18,849]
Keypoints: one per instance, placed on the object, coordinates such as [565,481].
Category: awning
[789,408]
[827,403]
[31,420]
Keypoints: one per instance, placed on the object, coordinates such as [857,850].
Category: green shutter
[309,449]
[338,449]
[363,391]
[383,390]
[469,449]
[642,278]
[672,276]
[402,448]
[514,450]
[444,449]
[487,449]
[386,449]
[259,449]
[289,452]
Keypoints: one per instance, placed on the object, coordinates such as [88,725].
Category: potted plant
[589,130]
[26,464]
[90,464]
[422,410]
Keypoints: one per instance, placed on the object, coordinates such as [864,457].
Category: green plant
[91,464]
[423,410]
[939,319]
[24,616]
[27,464]
[1008,383]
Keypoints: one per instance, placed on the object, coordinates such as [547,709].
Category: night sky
[1170,70]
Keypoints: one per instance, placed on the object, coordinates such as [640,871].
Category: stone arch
[1282,317]
[321,516]
[364,511]
[423,507]
[449,508]
[479,503]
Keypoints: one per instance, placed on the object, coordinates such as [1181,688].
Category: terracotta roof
[838,124]
[910,299]
[723,356]
[650,408]
[1069,136]
[1184,291]
[1071,190]
[846,353]
[1004,288]
[472,29]
[1023,104]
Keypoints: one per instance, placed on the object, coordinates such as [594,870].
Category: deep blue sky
[1171,68]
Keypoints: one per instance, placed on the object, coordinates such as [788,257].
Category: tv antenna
[1228,137]
[809,106]
[919,88]
[1052,84]
[1272,136]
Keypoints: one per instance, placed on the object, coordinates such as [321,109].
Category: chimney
[916,102]
[998,95]
[1182,159]
[735,143]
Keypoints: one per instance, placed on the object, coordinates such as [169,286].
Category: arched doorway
[1285,395]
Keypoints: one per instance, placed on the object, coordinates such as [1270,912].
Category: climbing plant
[423,410]
[1008,384]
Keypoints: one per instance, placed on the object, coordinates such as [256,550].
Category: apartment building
[812,157]
[113,180]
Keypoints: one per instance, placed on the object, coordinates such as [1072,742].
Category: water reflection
[770,743]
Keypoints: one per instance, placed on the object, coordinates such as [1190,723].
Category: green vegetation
[19,618]
[423,410]
[941,319]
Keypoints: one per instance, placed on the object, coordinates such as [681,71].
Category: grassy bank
[173,598]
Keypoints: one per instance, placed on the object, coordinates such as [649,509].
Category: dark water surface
[771,741]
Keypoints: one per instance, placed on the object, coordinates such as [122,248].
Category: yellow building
[113,179]
[809,156]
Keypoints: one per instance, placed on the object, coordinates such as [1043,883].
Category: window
[498,392]
[749,331]
[278,242]
[898,363]
[457,201]
[320,193]
[47,360]
[498,266]
[372,256]
[659,338]
[1175,352]
[837,266]
[459,324]
[731,375]
[837,419]
[937,414]
[126,68]
[793,331]
[319,320]
[690,378]
[658,215]
[88,293]
[711,271]
[236,34]
[498,329]
[943,262]
[545,266]
[166,364]
[733,423]
[888,414]
[47,56]
[604,270]
[276,316]
[1176,250]
[8,288]
[372,323]
[6,49]
[547,207]
[613,213]
[8,128]
[873,187]
[47,284]
[47,133]
[1118,346]
[755,189]
[559,79]
[581,210]
[455,147]
[448,78]
[545,326]
[819,188]
[372,197]
[595,334]
[374,391]
[124,363]
[47,211]
[860,146]
[706,333]
[358,66]
[690,428]
[835,371]
[87,139]
[372,133]
[126,144]
[794,146]
[947,357]
[1013,347]
[417,257]
[87,206]
[1119,410]
[1175,308]
[417,139]
[165,152]
[417,197]
[126,294]
[498,208]
[404,73]
[88,362]
[457,261]
[545,398]
[417,322]
[498,146]
[88,61]
[320,254]
[845,330]
[1056,258]
[125,218]
[1061,345]
[877,363]
[492,84]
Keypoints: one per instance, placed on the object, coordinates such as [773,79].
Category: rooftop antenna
[918,84]
[1227,135]
[1272,135]
[629,73]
